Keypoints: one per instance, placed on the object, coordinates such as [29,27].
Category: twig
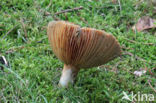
[151,86]
[120,5]
[2,96]
[21,47]
[55,18]
[69,10]
[14,49]
[9,31]
[42,40]
[49,4]
[137,57]
[150,71]
[123,47]
[132,41]
[25,31]
[114,69]
[149,44]
[44,28]
[84,20]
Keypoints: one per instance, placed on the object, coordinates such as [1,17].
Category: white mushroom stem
[69,73]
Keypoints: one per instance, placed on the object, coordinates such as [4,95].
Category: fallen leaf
[144,23]
[114,1]
[139,73]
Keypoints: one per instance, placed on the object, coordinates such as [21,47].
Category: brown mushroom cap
[82,47]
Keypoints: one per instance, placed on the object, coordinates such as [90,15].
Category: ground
[34,71]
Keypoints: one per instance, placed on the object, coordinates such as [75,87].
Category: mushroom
[80,48]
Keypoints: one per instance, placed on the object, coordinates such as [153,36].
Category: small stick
[25,31]
[132,41]
[137,57]
[9,31]
[114,69]
[49,4]
[119,5]
[84,20]
[13,49]
[149,44]
[69,10]
[128,53]
[41,40]
[55,18]
[123,47]
[151,86]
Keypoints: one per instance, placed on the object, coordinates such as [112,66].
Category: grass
[34,71]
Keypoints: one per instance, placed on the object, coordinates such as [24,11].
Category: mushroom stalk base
[68,75]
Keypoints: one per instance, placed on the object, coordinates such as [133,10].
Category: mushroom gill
[80,47]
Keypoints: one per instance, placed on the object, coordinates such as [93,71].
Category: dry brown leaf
[144,23]
[114,1]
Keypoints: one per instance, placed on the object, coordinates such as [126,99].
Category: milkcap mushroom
[80,48]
